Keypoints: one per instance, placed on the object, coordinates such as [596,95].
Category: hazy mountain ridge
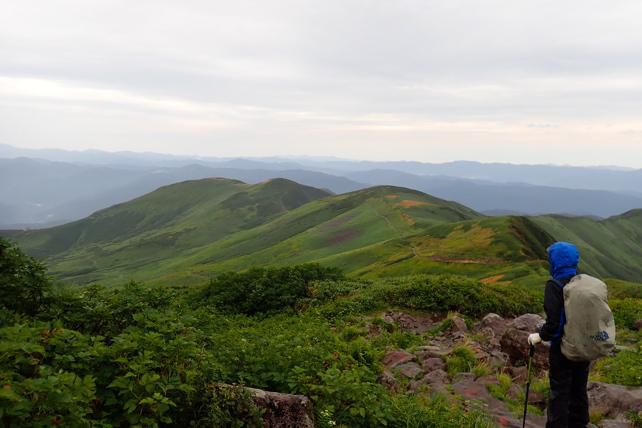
[40,193]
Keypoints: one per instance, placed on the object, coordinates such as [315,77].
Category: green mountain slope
[187,232]
[611,247]
[161,225]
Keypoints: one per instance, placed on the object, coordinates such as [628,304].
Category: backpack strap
[560,329]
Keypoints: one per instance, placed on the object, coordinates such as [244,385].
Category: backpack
[589,332]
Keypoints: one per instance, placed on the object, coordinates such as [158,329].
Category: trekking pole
[531,352]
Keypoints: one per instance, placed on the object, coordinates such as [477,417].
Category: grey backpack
[589,332]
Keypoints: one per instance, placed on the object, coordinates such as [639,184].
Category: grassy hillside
[161,225]
[609,247]
[188,232]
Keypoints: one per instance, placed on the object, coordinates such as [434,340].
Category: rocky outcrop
[514,341]
[409,323]
[396,358]
[284,410]
[614,400]
[502,346]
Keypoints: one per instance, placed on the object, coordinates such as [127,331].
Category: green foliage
[626,311]
[437,294]
[23,281]
[622,369]
[461,360]
[262,290]
[232,406]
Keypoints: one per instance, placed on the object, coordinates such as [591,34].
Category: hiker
[569,310]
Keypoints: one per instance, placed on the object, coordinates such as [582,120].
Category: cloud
[264,77]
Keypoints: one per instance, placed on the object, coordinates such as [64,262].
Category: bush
[266,290]
[23,281]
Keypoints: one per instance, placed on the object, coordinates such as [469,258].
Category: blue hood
[564,258]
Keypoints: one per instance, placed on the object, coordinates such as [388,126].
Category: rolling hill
[189,231]
[610,247]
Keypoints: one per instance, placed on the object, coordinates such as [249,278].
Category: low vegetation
[138,355]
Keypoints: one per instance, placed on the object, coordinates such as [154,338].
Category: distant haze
[503,81]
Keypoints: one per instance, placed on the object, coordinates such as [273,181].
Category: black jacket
[552,330]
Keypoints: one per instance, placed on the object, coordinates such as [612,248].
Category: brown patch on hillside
[409,203]
[392,196]
[407,219]
[331,225]
[492,279]
[342,236]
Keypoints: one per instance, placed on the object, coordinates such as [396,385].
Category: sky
[504,81]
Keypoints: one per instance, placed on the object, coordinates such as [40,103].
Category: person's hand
[534,339]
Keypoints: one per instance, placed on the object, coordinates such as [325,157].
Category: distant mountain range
[39,193]
[187,232]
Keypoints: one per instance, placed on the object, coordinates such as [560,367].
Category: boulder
[436,380]
[417,324]
[388,380]
[497,359]
[409,370]
[493,324]
[614,400]
[432,364]
[395,358]
[514,341]
[284,410]
[432,351]
[459,325]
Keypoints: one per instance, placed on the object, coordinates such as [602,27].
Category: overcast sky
[520,81]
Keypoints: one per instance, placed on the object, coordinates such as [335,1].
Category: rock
[284,410]
[493,323]
[514,341]
[528,322]
[395,358]
[408,323]
[459,325]
[463,377]
[488,380]
[614,423]
[409,370]
[497,359]
[518,374]
[437,377]
[388,380]
[432,351]
[437,380]
[431,364]
[476,391]
[637,325]
[614,400]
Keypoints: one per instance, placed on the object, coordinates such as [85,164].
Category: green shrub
[263,290]
[23,281]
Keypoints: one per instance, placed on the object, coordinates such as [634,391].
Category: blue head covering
[564,258]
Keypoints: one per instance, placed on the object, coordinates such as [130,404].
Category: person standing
[572,345]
